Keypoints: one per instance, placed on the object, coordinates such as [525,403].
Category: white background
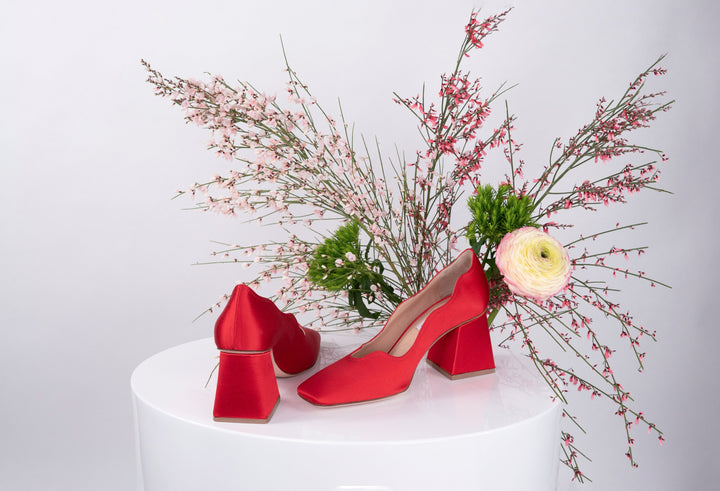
[96,258]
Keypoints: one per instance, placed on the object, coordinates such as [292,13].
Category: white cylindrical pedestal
[492,432]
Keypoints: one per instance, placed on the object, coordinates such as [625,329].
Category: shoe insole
[406,341]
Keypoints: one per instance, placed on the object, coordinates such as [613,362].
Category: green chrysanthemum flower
[339,264]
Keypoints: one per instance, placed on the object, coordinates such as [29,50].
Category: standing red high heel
[447,317]
[257,342]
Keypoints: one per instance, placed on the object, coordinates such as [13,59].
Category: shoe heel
[247,391]
[465,351]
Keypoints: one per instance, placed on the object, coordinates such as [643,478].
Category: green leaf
[331,269]
[494,214]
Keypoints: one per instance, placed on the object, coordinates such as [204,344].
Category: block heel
[257,341]
[247,391]
[465,351]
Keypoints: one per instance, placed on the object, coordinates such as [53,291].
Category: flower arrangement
[364,231]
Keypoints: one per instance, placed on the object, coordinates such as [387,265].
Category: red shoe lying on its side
[257,342]
[447,317]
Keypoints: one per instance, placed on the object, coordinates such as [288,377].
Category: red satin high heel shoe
[447,318]
[257,342]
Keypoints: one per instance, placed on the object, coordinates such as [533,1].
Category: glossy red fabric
[465,349]
[379,374]
[251,333]
[246,387]
[254,323]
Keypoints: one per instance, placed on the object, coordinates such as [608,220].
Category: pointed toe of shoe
[309,394]
[322,389]
[351,380]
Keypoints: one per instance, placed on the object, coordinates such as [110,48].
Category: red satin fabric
[252,332]
[254,323]
[465,349]
[246,387]
[379,374]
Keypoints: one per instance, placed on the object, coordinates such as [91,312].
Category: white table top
[434,407]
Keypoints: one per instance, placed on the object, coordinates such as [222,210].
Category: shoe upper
[385,365]
[250,322]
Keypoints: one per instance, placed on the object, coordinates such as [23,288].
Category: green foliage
[323,270]
[339,264]
[494,214]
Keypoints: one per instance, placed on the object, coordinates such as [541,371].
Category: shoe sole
[249,420]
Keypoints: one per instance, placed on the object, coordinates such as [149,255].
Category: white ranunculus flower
[533,263]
